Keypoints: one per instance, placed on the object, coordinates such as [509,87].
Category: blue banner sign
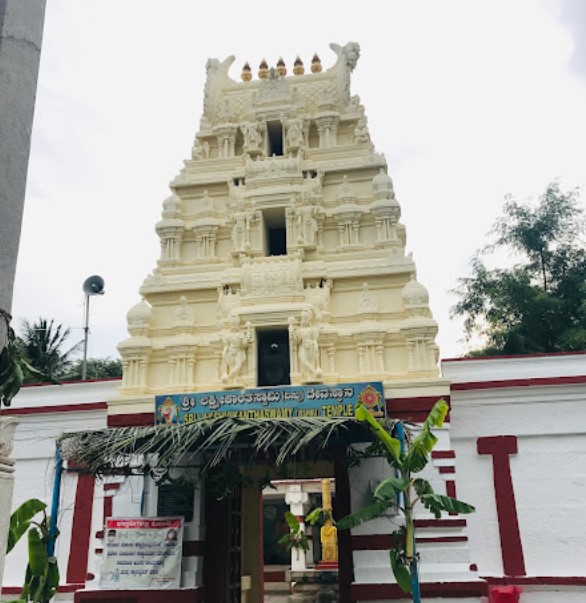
[283,402]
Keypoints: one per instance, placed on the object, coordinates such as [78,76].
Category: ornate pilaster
[7,428]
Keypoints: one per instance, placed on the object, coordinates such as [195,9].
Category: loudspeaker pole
[93,285]
[86,331]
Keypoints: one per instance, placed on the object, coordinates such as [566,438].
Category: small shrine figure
[295,133]
[306,335]
[367,302]
[201,150]
[240,231]
[306,225]
[361,133]
[236,343]
[329,542]
[328,533]
[183,314]
[252,137]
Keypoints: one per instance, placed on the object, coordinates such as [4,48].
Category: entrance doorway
[243,528]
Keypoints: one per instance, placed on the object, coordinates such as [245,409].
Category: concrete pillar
[21,32]
[297,501]
[7,428]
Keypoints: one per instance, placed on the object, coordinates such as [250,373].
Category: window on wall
[274,138]
[275,231]
[273,357]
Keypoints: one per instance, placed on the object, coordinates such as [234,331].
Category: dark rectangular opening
[273,357]
[274,138]
[275,231]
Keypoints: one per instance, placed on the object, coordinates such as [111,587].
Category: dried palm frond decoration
[212,441]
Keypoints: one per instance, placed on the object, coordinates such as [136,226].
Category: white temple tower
[283,262]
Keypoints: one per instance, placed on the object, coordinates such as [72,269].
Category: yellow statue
[329,541]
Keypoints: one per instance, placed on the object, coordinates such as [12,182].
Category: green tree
[538,305]
[42,343]
[96,368]
[408,456]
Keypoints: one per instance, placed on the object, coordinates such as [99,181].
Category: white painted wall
[549,473]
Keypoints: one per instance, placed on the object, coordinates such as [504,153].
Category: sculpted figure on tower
[236,343]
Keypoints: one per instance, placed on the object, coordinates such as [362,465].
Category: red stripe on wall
[40,410]
[371,592]
[81,529]
[440,523]
[500,448]
[107,508]
[536,580]
[447,469]
[63,588]
[443,454]
[540,381]
[131,419]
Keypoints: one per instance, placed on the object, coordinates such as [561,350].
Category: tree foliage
[43,344]
[96,368]
[538,305]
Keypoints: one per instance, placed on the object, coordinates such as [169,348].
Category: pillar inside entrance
[7,428]
[297,501]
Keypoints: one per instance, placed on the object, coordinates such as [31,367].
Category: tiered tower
[283,263]
[282,252]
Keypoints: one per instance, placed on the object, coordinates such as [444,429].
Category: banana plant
[42,573]
[296,538]
[404,491]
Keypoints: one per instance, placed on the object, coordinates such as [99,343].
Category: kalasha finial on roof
[298,68]
[263,70]
[315,64]
[281,69]
[246,74]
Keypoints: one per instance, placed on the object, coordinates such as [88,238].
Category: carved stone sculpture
[252,137]
[295,133]
[184,318]
[236,343]
[306,225]
[240,231]
[361,134]
[305,336]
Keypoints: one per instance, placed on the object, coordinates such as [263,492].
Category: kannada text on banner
[338,400]
[142,553]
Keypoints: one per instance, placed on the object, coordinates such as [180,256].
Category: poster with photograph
[142,553]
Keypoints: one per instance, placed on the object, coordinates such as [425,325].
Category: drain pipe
[55,502]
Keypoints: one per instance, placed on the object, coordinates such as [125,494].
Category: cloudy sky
[468,99]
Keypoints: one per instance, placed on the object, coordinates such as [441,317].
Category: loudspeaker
[93,285]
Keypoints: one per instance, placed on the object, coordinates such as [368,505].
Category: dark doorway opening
[274,138]
[275,231]
[273,357]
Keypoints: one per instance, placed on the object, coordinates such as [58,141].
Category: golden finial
[315,64]
[246,74]
[298,68]
[263,70]
[281,69]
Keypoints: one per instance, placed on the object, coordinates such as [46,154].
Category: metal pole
[55,502]
[86,330]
